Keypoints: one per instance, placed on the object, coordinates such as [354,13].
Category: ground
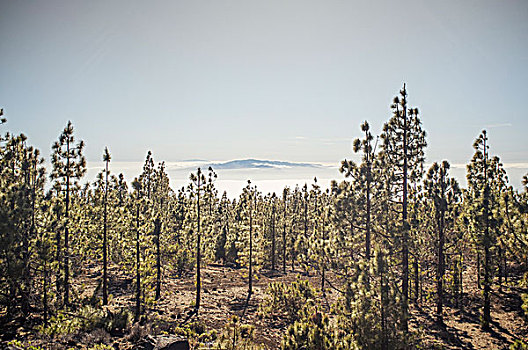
[225,292]
[462,325]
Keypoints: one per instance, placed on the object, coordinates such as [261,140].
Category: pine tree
[294,251]
[478,178]
[273,210]
[21,187]
[224,217]
[45,256]
[249,200]
[316,242]
[211,219]
[403,146]
[3,120]
[305,248]
[161,192]
[69,166]
[444,192]
[285,195]
[106,159]
[325,214]
[485,175]
[363,178]
[136,185]
[197,182]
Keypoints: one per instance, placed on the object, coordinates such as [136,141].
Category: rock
[149,343]
[165,342]
[231,265]
[172,343]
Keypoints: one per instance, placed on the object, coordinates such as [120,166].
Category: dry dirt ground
[224,293]
[462,325]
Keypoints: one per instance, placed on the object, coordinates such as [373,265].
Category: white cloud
[499,125]
[506,165]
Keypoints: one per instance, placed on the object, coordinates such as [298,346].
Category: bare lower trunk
[250,286]
[416,280]
[198,257]
[273,238]
[45,293]
[284,249]
[138,277]
[157,228]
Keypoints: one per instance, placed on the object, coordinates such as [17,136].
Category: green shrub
[101,347]
[519,345]
[120,321]
[18,345]
[286,300]
[315,331]
[237,336]
[87,319]
[525,305]
[184,262]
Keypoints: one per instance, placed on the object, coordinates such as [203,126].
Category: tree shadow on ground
[449,335]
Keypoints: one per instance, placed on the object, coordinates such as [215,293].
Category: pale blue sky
[289,80]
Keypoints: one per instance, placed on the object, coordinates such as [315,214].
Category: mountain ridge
[252,163]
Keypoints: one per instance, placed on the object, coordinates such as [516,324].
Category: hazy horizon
[268,180]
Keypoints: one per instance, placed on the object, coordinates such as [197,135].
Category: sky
[285,80]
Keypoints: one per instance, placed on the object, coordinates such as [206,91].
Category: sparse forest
[394,255]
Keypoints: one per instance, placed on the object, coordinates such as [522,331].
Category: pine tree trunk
[440,278]
[26,256]
[105,243]
[66,268]
[479,284]
[157,233]
[416,280]
[367,232]
[460,279]
[45,292]
[307,270]
[486,319]
[284,247]
[273,237]
[441,259]
[405,246]
[198,255]
[138,277]
[487,288]
[456,283]
[422,283]
[383,301]
[250,286]
[292,235]
[284,233]
[58,258]
[323,266]
[499,258]
[66,233]
[504,269]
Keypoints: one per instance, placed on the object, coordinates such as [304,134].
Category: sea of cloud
[269,180]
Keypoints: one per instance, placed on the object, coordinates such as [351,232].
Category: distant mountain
[261,164]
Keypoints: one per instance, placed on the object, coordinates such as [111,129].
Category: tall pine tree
[69,166]
[403,146]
